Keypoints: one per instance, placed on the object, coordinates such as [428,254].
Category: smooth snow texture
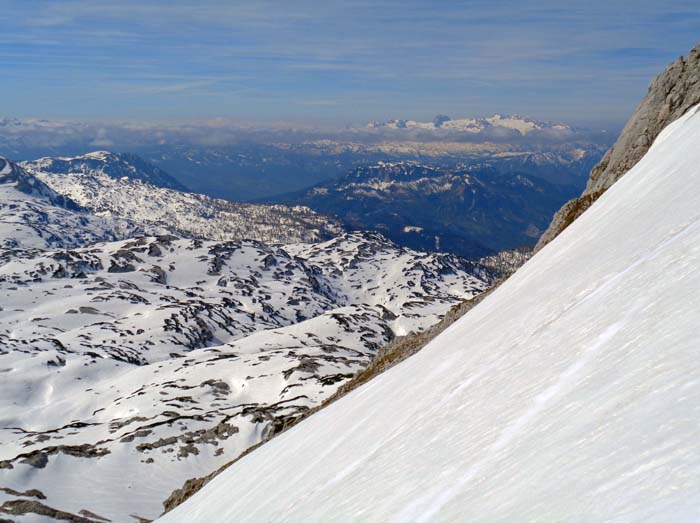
[570,394]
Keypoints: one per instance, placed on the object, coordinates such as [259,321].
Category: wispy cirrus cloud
[319,102]
[416,58]
[167,87]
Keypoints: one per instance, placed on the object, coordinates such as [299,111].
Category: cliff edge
[670,95]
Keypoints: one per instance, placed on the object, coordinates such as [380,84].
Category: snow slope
[572,393]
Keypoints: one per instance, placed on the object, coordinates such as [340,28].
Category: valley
[411,318]
[157,358]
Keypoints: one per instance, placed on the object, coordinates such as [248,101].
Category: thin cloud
[168,88]
[320,102]
[413,56]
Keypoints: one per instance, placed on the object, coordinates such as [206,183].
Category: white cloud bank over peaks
[27,138]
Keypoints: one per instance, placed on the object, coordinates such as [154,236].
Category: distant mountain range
[516,123]
[223,160]
[470,211]
[257,172]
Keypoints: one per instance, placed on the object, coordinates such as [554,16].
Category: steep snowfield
[127,187]
[572,393]
[130,367]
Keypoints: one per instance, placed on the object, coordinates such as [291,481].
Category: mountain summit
[113,165]
[128,187]
[34,215]
[24,182]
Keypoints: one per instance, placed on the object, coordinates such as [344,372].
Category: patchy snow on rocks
[32,215]
[130,367]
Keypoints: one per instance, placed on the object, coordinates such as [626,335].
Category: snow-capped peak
[522,125]
[109,164]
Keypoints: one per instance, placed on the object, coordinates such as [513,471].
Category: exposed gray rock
[670,95]
[566,216]
[21,507]
[40,458]
[32,493]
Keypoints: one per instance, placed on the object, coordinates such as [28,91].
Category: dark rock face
[566,216]
[21,507]
[670,95]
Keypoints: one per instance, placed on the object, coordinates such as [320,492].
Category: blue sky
[336,62]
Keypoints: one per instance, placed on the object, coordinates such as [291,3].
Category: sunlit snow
[572,393]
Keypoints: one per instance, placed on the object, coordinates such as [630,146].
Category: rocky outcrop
[670,95]
[23,507]
[566,216]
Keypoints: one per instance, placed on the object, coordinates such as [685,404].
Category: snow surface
[572,393]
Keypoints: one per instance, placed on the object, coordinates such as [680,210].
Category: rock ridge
[670,95]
